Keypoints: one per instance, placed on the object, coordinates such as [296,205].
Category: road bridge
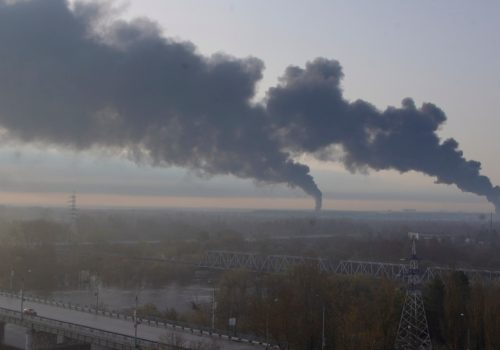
[104,330]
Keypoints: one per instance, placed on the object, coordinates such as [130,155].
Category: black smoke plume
[75,78]
[123,86]
[311,115]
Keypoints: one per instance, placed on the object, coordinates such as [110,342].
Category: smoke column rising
[76,78]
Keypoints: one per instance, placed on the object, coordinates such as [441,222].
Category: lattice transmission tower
[73,216]
[413,331]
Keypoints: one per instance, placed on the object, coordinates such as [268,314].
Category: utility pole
[267,329]
[11,280]
[22,294]
[464,320]
[22,298]
[268,309]
[468,338]
[96,299]
[413,331]
[136,321]
[323,340]
[214,305]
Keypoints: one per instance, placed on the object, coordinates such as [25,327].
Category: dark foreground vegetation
[359,312]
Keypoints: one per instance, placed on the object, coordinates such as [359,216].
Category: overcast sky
[444,52]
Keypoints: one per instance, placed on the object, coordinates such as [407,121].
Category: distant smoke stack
[318,202]
[494,198]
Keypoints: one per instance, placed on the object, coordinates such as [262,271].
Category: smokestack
[318,202]
[494,198]
[496,203]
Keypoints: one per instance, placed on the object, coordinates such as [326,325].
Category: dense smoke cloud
[311,115]
[129,88]
[77,79]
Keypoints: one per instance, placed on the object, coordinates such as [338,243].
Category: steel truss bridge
[227,260]
[232,260]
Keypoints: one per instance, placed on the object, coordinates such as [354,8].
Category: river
[179,297]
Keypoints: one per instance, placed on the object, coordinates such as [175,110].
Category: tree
[457,294]
[434,294]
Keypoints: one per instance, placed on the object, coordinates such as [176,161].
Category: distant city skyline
[445,53]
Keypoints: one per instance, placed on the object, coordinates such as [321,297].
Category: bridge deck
[120,326]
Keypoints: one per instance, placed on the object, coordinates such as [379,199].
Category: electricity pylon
[73,214]
[413,331]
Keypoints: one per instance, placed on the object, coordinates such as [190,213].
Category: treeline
[359,312]
[48,268]
[463,315]
[465,244]
[43,246]
[288,309]
[39,255]
[45,268]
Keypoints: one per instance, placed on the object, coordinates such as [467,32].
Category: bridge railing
[82,333]
[150,321]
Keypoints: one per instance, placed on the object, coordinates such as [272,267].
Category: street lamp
[214,306]
[462,316]
[136,321]
[96,293]
[22,295]
[267,322]
[323,340]
[12,280]
[267,329]
[323,329]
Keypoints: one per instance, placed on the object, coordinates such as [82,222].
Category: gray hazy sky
[444,52]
